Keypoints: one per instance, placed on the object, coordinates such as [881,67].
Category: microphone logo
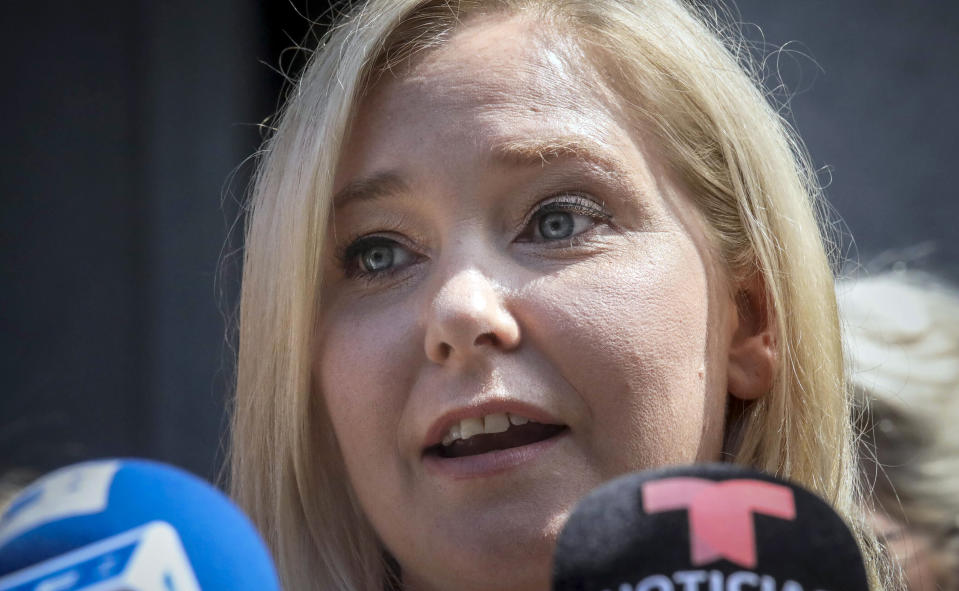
[720,513]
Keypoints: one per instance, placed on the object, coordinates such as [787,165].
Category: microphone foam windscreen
[152,505]
[711,527]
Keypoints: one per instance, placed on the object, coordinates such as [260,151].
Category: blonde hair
[745,169]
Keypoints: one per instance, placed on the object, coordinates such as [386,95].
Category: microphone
[129,525]
[714,527]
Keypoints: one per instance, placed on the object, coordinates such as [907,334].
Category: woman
[500,252]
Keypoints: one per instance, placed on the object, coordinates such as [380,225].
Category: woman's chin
[502,565]
[513,551]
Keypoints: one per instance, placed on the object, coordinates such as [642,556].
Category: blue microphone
[131,525]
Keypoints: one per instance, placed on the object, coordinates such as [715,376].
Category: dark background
[126,126]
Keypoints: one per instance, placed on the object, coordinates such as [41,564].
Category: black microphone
[713,527]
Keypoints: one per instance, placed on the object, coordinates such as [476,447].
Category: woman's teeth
[494,423]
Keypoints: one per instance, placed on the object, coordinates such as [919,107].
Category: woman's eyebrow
[377,186]
[526,152]
[520,152]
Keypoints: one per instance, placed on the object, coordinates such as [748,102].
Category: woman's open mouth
[493,432]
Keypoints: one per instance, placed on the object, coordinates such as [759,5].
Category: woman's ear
[753,353]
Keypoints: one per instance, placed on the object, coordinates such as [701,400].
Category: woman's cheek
[363,367]
[628,332]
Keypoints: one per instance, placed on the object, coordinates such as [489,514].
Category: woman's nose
[467,316]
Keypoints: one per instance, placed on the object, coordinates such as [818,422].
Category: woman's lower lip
[490,463]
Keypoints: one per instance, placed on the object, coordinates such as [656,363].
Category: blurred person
[902,345]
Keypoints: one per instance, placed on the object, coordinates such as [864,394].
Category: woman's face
[519,304]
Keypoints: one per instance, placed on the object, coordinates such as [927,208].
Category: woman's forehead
[497,63]
[507,92]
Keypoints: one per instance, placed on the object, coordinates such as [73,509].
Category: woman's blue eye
[375,255]
[565,218]
[377,258]
[556,225]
